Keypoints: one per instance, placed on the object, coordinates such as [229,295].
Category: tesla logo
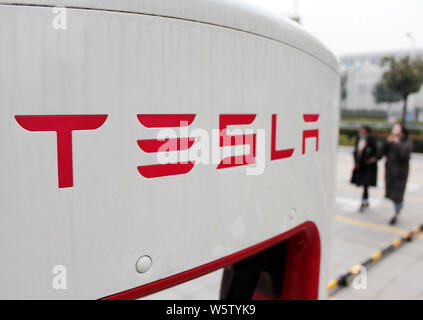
[278,154]
[314,133]
[64,125]
[226,140]
[166,145]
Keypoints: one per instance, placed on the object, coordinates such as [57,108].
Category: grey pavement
[354,238]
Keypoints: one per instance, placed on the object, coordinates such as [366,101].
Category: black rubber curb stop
[343,280]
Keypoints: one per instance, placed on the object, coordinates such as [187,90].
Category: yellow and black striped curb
[342,281]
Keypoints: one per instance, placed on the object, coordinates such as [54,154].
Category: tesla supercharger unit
[145,143]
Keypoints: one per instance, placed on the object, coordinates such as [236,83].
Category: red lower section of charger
[301,280]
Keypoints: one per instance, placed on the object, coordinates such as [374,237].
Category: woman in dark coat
[365,160]
[397,150]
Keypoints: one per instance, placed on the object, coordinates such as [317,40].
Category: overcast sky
[355,26]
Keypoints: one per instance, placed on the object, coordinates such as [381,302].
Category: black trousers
[366,193]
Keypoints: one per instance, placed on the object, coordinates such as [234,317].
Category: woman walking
[397,150]
[365,160]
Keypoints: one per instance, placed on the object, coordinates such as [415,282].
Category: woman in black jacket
[397,150]
[365,160]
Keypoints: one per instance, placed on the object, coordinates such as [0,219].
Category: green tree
[404,76]
[344,91]
[384,94]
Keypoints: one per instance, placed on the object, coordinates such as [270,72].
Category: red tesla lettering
[165,170]
[166,120]
[63,125]
[225,140]
[278,154]
[314,133]
[155,146]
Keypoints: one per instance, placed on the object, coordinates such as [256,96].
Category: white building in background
[363,72]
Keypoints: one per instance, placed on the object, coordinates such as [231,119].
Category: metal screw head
[143,264]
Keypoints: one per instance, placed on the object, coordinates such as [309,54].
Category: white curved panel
[242,15]
[122,65]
